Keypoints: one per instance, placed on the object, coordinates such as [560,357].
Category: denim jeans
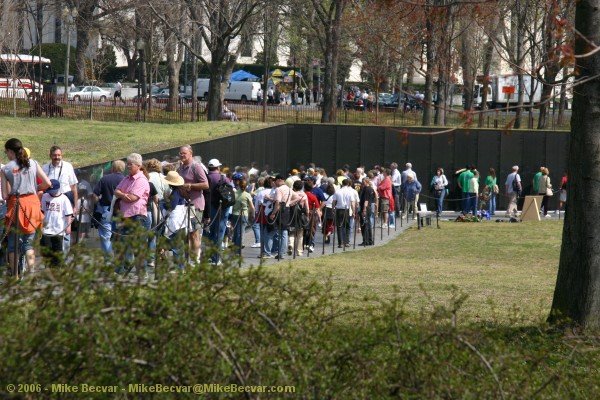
[217,229]
[273,240]
[492,203]
[256,230]
[151,237]
[472,203]
[439,201]
[105,229]
[131,227]
[238,224]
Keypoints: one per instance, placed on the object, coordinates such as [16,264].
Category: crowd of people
[181,200]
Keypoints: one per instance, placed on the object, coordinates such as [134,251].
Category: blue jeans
[238,224]
[439,201]
[131,226]
[265,237]
[151,237]
[472,203]
[105,229]
[272,242]
[492,204]
[217,229]
[256,230]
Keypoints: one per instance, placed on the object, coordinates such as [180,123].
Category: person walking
[513,189]
[439,189]
[19,188]
[545,189]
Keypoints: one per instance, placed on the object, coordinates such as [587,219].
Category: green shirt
[489,181]
[536,183]
[242,201]
[464,179]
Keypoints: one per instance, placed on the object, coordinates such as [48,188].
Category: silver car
[87,92]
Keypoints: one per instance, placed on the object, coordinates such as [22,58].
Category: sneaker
[548,216]
[266,256]
[384,226]
[255,245]
[289,250]
[393,226]
[311,249]
[278,257]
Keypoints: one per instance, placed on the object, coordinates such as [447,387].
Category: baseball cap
[54,188]
[214,163]
[237,175]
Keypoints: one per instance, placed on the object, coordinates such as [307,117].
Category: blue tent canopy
[242,75]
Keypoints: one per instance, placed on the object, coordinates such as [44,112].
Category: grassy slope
[508,271]
[88,142]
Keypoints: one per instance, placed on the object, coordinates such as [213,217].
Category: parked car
[87,92]
[392,100]
[163,97]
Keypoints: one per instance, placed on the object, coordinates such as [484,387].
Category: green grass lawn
[89,142]
[508,271]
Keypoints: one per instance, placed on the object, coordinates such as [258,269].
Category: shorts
[197,218]
[563,195]
[26,242]
[384,205]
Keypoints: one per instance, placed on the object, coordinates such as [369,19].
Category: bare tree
[329,15]
[220,23]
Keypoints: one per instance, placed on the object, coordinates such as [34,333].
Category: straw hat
[173,179]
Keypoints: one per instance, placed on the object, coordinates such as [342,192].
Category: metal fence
[157,111]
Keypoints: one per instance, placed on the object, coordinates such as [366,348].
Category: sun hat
[173,179]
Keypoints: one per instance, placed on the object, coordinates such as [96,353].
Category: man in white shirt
[344,202]
[63,172]
[396,186]
[513,181]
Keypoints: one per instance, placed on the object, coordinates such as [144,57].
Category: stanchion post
[79,215]
[334,228]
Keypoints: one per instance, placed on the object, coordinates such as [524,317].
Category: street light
[69,15]
[140,45]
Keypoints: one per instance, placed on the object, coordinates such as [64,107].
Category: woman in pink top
[133,193]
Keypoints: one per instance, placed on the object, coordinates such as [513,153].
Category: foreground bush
[224,325]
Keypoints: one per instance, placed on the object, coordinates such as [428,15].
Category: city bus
[23,76]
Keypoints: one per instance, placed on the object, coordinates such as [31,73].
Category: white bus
[23,75]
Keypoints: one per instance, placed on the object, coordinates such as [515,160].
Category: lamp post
[140,45]
[69,15]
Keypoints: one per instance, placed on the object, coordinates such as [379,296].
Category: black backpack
[224,194]
[516,185]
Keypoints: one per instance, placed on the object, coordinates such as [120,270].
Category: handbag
[495,189]
[548,188]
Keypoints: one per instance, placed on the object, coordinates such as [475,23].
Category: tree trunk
[577,293]
[213,108]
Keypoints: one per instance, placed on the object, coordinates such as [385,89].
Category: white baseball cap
[214,163]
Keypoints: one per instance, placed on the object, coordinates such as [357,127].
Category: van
[202,87]
[242,91]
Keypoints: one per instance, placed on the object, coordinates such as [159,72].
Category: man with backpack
[222,198]
[195,183]
[513,189]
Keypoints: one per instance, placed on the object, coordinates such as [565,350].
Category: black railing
[159,111]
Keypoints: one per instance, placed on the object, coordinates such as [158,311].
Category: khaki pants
[512,204]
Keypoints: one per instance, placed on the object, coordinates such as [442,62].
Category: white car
[85,92]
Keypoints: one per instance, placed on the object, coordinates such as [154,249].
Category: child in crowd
[57,211]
